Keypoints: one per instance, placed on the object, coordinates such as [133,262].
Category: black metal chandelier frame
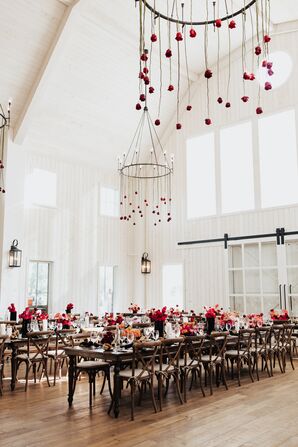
[193,22]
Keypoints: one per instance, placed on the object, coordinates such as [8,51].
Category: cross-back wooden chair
[39,341]
[214,361]
[241,353]
[261,349]
[2,348]
[287,344]
[192,361]
[275,347]
[141,372]
[57,355]
[169,366]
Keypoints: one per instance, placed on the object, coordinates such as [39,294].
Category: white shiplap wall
[73,236]
[204,266]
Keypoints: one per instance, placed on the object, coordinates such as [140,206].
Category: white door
[258,277]
[290,285]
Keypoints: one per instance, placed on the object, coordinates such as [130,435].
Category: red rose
[252,77]
[208,121]
[151,89]
[267,38]
[259,110]
[192,33]
[219,100]
[258,50]
[218,23]
[268,86]
[168,53]
[232,24]
[138,106]
[228,105]
[157,122]
[245,98]
[144,57]
[208,74]
[179,37]
[142,97]
[153,38]
[178,126]
[246,76]
[171,88]
[189,107]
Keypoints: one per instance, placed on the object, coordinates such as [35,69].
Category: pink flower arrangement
[134,308]
[255,319]
[228,318]
[111,320]
[279,316]
[157,314]
[188,329]
[175,311]
[41,315]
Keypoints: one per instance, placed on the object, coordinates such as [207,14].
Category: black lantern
[15,255]
[145,264]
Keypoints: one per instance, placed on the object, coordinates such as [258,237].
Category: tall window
[106,288]
[278,159]
[38,284]
[172,285]
[109,202]
[201,191]
[237,185]
[41,189]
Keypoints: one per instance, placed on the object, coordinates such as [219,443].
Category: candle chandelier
[171,30]
[145,176]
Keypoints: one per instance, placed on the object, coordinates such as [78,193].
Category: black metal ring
[166,170]
[209,22]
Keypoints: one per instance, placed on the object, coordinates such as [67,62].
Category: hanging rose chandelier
[179,22]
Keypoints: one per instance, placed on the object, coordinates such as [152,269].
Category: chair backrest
[194,345]
[170,351]
[40,341]
[262,339]
[144,357]
[244,341]
[217,345]
[2,347]
[287,335]
[63,338]
[76,339]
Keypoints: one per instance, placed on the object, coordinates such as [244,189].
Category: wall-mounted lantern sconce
[145,264]
[15,255]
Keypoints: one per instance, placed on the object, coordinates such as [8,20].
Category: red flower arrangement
[212,312]
[175,311]
[12,308]
[27,314]
[157,314]
[42,315]
[111,321]
[276,316]
[69,307]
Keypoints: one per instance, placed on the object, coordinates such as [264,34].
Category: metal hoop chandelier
[195,22]
[145,176]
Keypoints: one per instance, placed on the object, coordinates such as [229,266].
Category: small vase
[13,316]
[25,328]
[44,325]
[68,311]
[159,326]
[210,325]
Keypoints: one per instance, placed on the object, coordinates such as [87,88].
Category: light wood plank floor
[257,414]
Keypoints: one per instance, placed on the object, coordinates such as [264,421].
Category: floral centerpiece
[158,317]
[228,318]
[279,316]
[211,313]
[63,319]
[26,317]
[255,319]
[175,311]
[134,308]
[111,320]
[13,312]
[69,308]
[188,329]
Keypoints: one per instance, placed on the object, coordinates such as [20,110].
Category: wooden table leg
[117,389]
[71,373]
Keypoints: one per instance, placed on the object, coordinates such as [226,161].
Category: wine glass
[147,332]
[228,327]
[93,336]
[156,335]
[177,330]
[130,337]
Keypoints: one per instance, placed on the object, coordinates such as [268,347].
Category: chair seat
[127,374]
[30,357]
[54,354]
[89,364]
[235,353]
[214,358]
